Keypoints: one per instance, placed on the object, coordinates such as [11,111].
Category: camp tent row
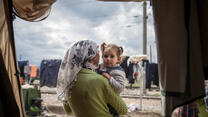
[182,37]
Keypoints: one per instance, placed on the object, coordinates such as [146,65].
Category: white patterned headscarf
[77,57]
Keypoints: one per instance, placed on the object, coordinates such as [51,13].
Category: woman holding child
[84,92]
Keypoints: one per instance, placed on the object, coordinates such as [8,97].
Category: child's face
[110,57]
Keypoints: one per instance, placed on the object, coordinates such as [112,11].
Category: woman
[84,92]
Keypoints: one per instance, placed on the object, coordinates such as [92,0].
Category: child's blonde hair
[118,49]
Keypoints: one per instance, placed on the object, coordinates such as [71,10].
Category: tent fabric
[122,0]
[9,107]
[32,10]
[12,97]
[7,96]
[181,33]
[203,18]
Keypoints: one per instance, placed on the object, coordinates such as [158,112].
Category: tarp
[11,101]
[32,10]
[181,31]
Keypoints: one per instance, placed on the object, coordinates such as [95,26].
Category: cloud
[70,21]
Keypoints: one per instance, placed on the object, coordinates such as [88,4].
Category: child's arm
[106,75]
[116,79]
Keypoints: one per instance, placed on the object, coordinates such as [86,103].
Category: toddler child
[110,69]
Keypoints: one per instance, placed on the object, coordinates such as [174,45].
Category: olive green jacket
[90,96]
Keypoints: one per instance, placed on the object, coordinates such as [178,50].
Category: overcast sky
[69,21]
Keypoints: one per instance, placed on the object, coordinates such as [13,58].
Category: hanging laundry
[49,72]
[135,71]
[24,70]
[131,71]
[33,71]
[155,75]
[148,74]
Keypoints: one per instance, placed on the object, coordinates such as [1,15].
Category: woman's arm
[115,100]
[67,108]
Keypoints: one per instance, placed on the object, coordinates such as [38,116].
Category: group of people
[88,89]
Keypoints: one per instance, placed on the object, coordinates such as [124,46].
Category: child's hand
[106,75]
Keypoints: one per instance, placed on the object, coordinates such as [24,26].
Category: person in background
[111,69]
[84,92]
[124,64]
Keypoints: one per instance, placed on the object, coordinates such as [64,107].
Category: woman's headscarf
[77,56]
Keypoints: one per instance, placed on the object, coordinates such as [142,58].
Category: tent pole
[144,40]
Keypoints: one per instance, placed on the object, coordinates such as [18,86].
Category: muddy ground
[151,106]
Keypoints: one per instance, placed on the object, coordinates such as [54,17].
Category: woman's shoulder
[91,74]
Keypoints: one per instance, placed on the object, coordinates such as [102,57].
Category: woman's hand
[106,75]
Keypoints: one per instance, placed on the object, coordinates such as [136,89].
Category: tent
[181,30]
[11,102]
